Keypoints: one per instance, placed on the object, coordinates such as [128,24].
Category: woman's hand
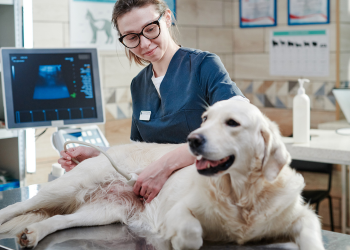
[151,180]
[79,153]
[153,177]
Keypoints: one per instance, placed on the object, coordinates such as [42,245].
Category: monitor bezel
[8,95]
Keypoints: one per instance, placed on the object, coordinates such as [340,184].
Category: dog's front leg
[184,230]
[308,231]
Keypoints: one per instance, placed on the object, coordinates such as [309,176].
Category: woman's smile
[150,52]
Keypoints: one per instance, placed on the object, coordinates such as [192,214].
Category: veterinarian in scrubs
[169,95]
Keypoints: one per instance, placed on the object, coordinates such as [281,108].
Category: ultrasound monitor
[51,87]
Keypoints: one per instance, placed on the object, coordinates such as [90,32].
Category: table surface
[117,236]
[325,146]
[334,125]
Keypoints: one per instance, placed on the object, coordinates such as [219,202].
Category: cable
[130,177]
[41,133]
[37,136]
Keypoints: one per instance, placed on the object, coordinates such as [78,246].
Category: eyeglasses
[150,31]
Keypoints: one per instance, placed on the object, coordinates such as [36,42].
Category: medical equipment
[56,171]
[130,177]
[90,134]
[51,87]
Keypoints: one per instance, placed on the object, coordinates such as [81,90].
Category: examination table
[117,236]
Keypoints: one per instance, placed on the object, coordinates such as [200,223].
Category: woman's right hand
[79,153]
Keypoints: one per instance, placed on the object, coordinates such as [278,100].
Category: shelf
[7,2]
[5,133]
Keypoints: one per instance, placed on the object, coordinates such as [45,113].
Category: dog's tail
[19,223]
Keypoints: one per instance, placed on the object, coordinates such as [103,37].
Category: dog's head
[236,136]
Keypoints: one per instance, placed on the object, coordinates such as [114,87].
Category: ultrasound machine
[53,88]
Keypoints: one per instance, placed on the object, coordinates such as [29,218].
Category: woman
[169,95]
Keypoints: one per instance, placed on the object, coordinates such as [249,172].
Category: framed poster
[299,53]
[304,12]
[257,13]
[90,25]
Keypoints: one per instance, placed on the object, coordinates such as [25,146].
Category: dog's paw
[188,238]
[28,238]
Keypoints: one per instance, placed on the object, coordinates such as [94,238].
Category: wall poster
[299,53]
[90,24]
[257,13]
[304,12]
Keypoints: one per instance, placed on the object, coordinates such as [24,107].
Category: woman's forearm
[178,158]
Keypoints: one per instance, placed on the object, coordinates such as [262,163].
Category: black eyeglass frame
[141,33]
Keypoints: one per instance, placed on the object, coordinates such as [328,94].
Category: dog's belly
[117,192]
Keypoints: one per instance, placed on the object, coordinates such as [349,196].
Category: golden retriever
[240,189]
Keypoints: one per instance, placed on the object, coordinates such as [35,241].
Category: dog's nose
[196,140]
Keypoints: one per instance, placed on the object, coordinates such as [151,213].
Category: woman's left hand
[151,180]
[153,177]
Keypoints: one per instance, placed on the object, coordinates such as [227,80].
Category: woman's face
[135,20]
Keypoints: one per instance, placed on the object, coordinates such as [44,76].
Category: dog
[240,189]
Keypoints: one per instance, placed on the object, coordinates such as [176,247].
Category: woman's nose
[144,42]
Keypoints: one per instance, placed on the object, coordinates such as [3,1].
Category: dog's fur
[257,197]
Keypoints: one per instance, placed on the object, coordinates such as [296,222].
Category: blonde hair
[122,7]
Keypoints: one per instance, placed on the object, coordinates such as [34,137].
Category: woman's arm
[215,80]
[153,177]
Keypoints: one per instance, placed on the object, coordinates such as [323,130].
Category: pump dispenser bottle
[301,115]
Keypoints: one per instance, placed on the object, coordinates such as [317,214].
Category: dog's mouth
[209,167]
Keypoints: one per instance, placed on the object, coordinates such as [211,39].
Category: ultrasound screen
[49,87]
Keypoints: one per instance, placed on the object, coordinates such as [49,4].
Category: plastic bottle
[301,115]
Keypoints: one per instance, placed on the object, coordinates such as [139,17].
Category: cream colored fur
[257,197]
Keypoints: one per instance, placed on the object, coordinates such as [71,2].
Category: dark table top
[117,236]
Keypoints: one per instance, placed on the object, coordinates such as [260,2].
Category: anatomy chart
[299,53]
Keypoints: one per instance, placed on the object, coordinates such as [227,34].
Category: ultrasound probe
[130,177]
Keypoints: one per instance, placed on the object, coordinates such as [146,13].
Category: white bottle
[301,115]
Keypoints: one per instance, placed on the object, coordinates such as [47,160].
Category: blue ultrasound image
[50,84]
[50,87]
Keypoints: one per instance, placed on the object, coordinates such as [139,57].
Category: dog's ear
[275,153]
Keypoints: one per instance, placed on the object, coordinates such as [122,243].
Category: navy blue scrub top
[194,80]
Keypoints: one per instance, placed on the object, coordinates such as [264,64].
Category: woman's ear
[167,16]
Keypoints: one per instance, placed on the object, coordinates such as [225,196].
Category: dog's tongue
[204,163]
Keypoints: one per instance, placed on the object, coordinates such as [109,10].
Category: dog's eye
[204,118]
[232,123]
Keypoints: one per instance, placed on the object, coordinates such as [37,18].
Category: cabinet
[12,142]
[12,153]
[11,23]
